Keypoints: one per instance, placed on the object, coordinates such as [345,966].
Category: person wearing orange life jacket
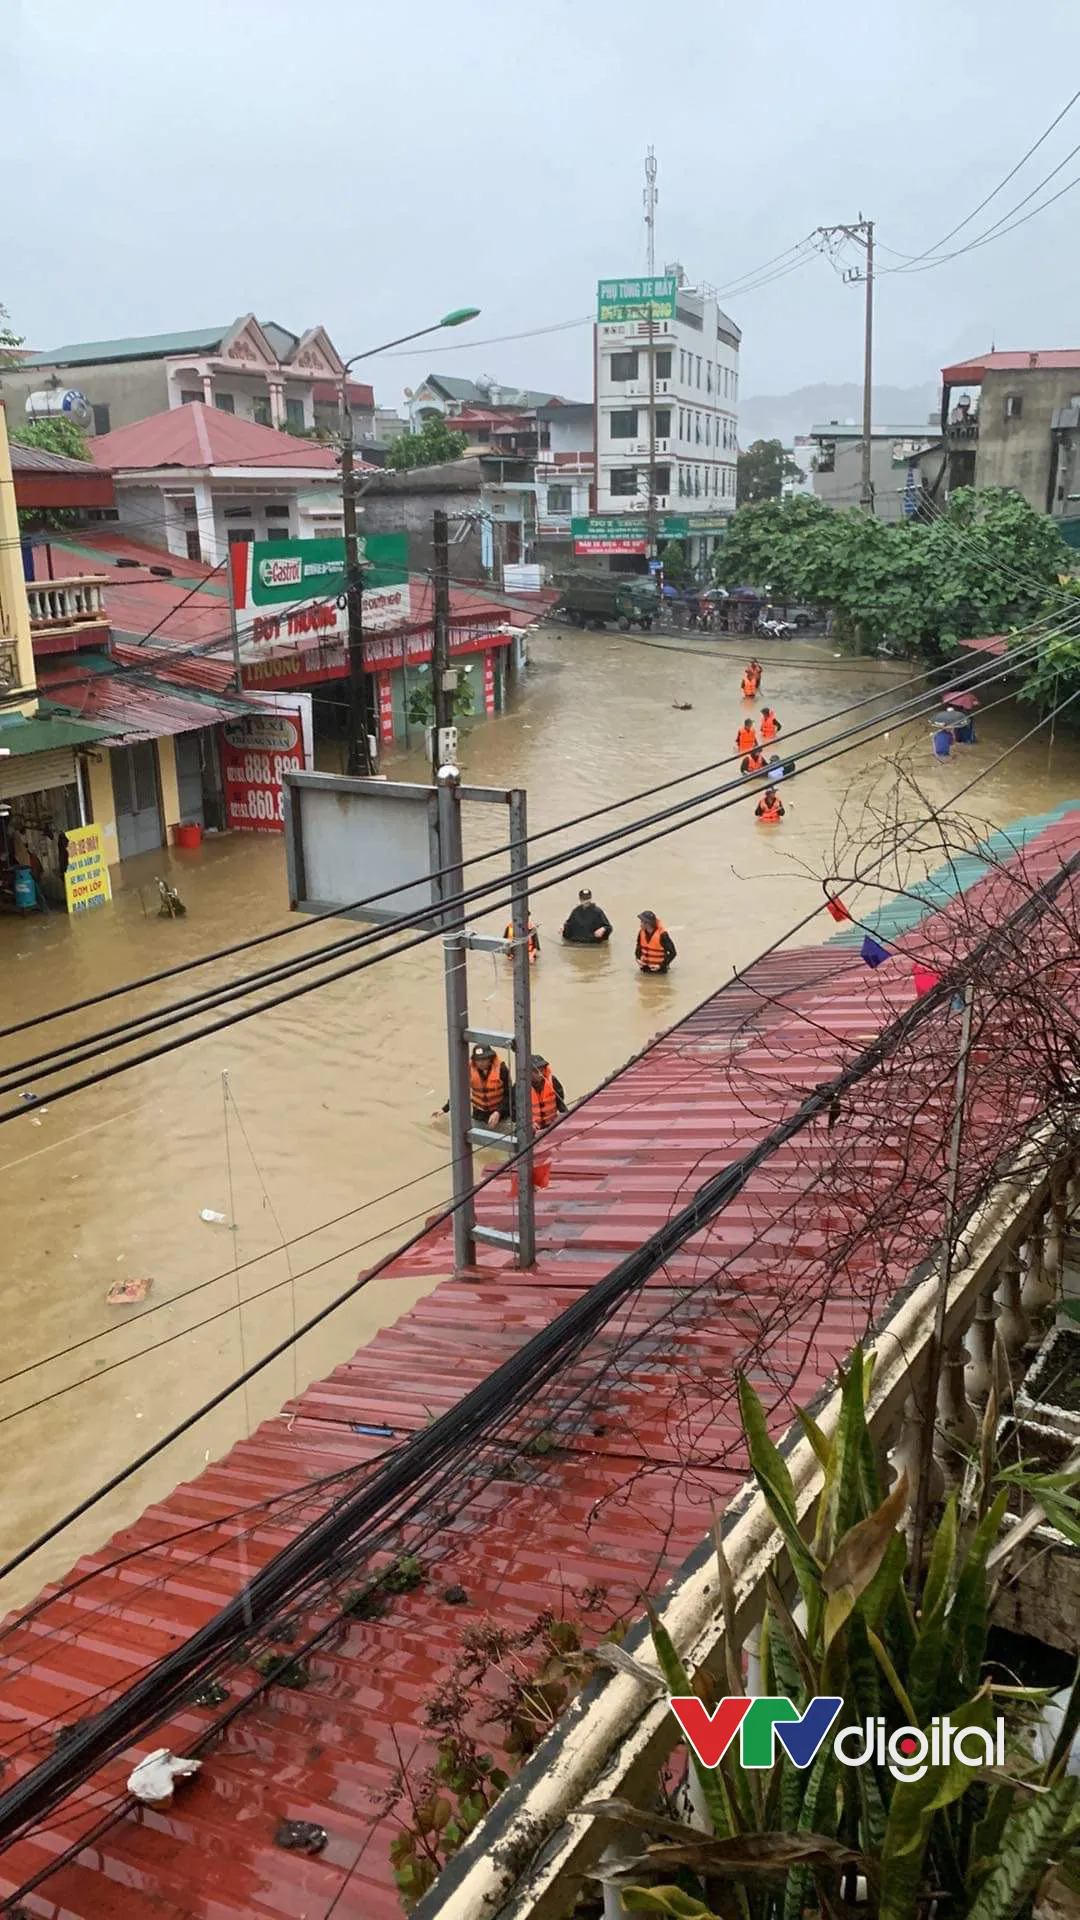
[770,806]
[754,762]
[548,1098]
[746,738]
[749,686]
[489,1087]
[770,725]
[654,949]
[534,939]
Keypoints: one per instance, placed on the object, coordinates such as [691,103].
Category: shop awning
[125,707]
[52,726]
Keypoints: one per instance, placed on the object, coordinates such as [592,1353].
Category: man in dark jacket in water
[587,923]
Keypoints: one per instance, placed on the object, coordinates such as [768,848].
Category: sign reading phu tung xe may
[283,589]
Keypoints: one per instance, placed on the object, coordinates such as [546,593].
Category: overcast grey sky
[371,165]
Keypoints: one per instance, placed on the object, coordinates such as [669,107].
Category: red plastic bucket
[187,836]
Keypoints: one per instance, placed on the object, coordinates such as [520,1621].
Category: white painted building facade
[696,381]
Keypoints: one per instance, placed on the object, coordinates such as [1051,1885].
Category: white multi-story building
[695,393]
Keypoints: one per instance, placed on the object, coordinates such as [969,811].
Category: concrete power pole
[443,675]
[650,197]
[862,232]
[361,714]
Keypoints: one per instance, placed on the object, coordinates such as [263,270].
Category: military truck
[592,599]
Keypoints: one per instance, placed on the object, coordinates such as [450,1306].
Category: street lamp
[362,723]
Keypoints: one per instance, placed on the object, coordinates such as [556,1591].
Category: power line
[181,1013]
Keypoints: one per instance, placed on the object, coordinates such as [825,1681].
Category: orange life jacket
[746,738]
[487,1089]
[651,955]
[754,762]
[749,686]
[534,940]
[545,1103]
[770,726]
[769,807]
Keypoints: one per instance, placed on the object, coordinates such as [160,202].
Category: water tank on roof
[67,401]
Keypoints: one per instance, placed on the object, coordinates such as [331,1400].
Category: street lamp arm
[455,319]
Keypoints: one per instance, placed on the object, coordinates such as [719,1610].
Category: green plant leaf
[845,1508]
[924,1666]
[861,1551]
[669,1900]
[1029,1843]
[714,1791]
[966,1626]
[1070,1724]
[900,1692]
[773,1478]
[817,1815]
[911,1812]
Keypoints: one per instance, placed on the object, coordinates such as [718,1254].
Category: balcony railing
[64,613]
[1017,1256]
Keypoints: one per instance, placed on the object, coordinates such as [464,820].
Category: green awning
[49,727]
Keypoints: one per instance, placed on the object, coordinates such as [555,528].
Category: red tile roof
[971,372]
[326,393]
[45,480]
[617,1504]
[198,436]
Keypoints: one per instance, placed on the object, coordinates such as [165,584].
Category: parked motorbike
[775,629]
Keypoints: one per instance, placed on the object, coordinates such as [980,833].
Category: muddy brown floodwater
[332,1095]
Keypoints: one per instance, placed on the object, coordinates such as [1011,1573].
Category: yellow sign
[86,882]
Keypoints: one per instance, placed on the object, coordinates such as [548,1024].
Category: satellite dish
[408,393]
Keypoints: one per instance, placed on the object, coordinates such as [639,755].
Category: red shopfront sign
[256,750]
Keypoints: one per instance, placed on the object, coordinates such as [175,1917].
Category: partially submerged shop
[43,798]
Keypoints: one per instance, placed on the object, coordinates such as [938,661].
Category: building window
[663,479]
[697,428]
[260,410]
[708,376]
[225,402]
[663,363]
[189,397]
[276,530]
[663,423]
[194,550]
[624,365]
[682,423]
[624,480]
[623,424]
[1014,406]
[237,534]
[294,416]
[101,419]
[682,363]
[699,369]
[559,499]
[708,429]
[697,482]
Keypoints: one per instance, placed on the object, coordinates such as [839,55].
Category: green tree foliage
[763,467]
[9,340]
[55,435]
[429,448]
[677,570]
[1052,675]
[985,564]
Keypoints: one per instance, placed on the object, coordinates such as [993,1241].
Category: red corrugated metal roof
[134,707]
[995,644]
[1045,359]
[617,1504]
[197,436]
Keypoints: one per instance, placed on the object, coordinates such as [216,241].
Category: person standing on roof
[654,949]
[588,923]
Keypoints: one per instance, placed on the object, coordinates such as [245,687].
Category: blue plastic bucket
[942,742]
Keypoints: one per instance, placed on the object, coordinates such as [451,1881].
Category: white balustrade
[65,603]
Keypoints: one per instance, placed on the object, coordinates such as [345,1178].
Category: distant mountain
[781,416]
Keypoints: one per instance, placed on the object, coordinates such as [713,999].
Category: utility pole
[362,725]
[862,233]
[650,197]
[443,675]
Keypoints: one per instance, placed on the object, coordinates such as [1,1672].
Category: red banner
[256,751]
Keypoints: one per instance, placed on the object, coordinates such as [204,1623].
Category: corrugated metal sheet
[132,707]
[626,1492]
[37,772]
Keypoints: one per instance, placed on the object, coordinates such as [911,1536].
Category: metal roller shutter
[34,772]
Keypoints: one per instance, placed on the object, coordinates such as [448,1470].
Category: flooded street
[331,1096]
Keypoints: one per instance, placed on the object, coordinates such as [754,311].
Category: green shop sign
[651,299]
[293,570]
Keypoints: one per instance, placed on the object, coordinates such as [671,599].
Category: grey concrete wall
[1018,453]
[386,512]
[132,390]
[843,486]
